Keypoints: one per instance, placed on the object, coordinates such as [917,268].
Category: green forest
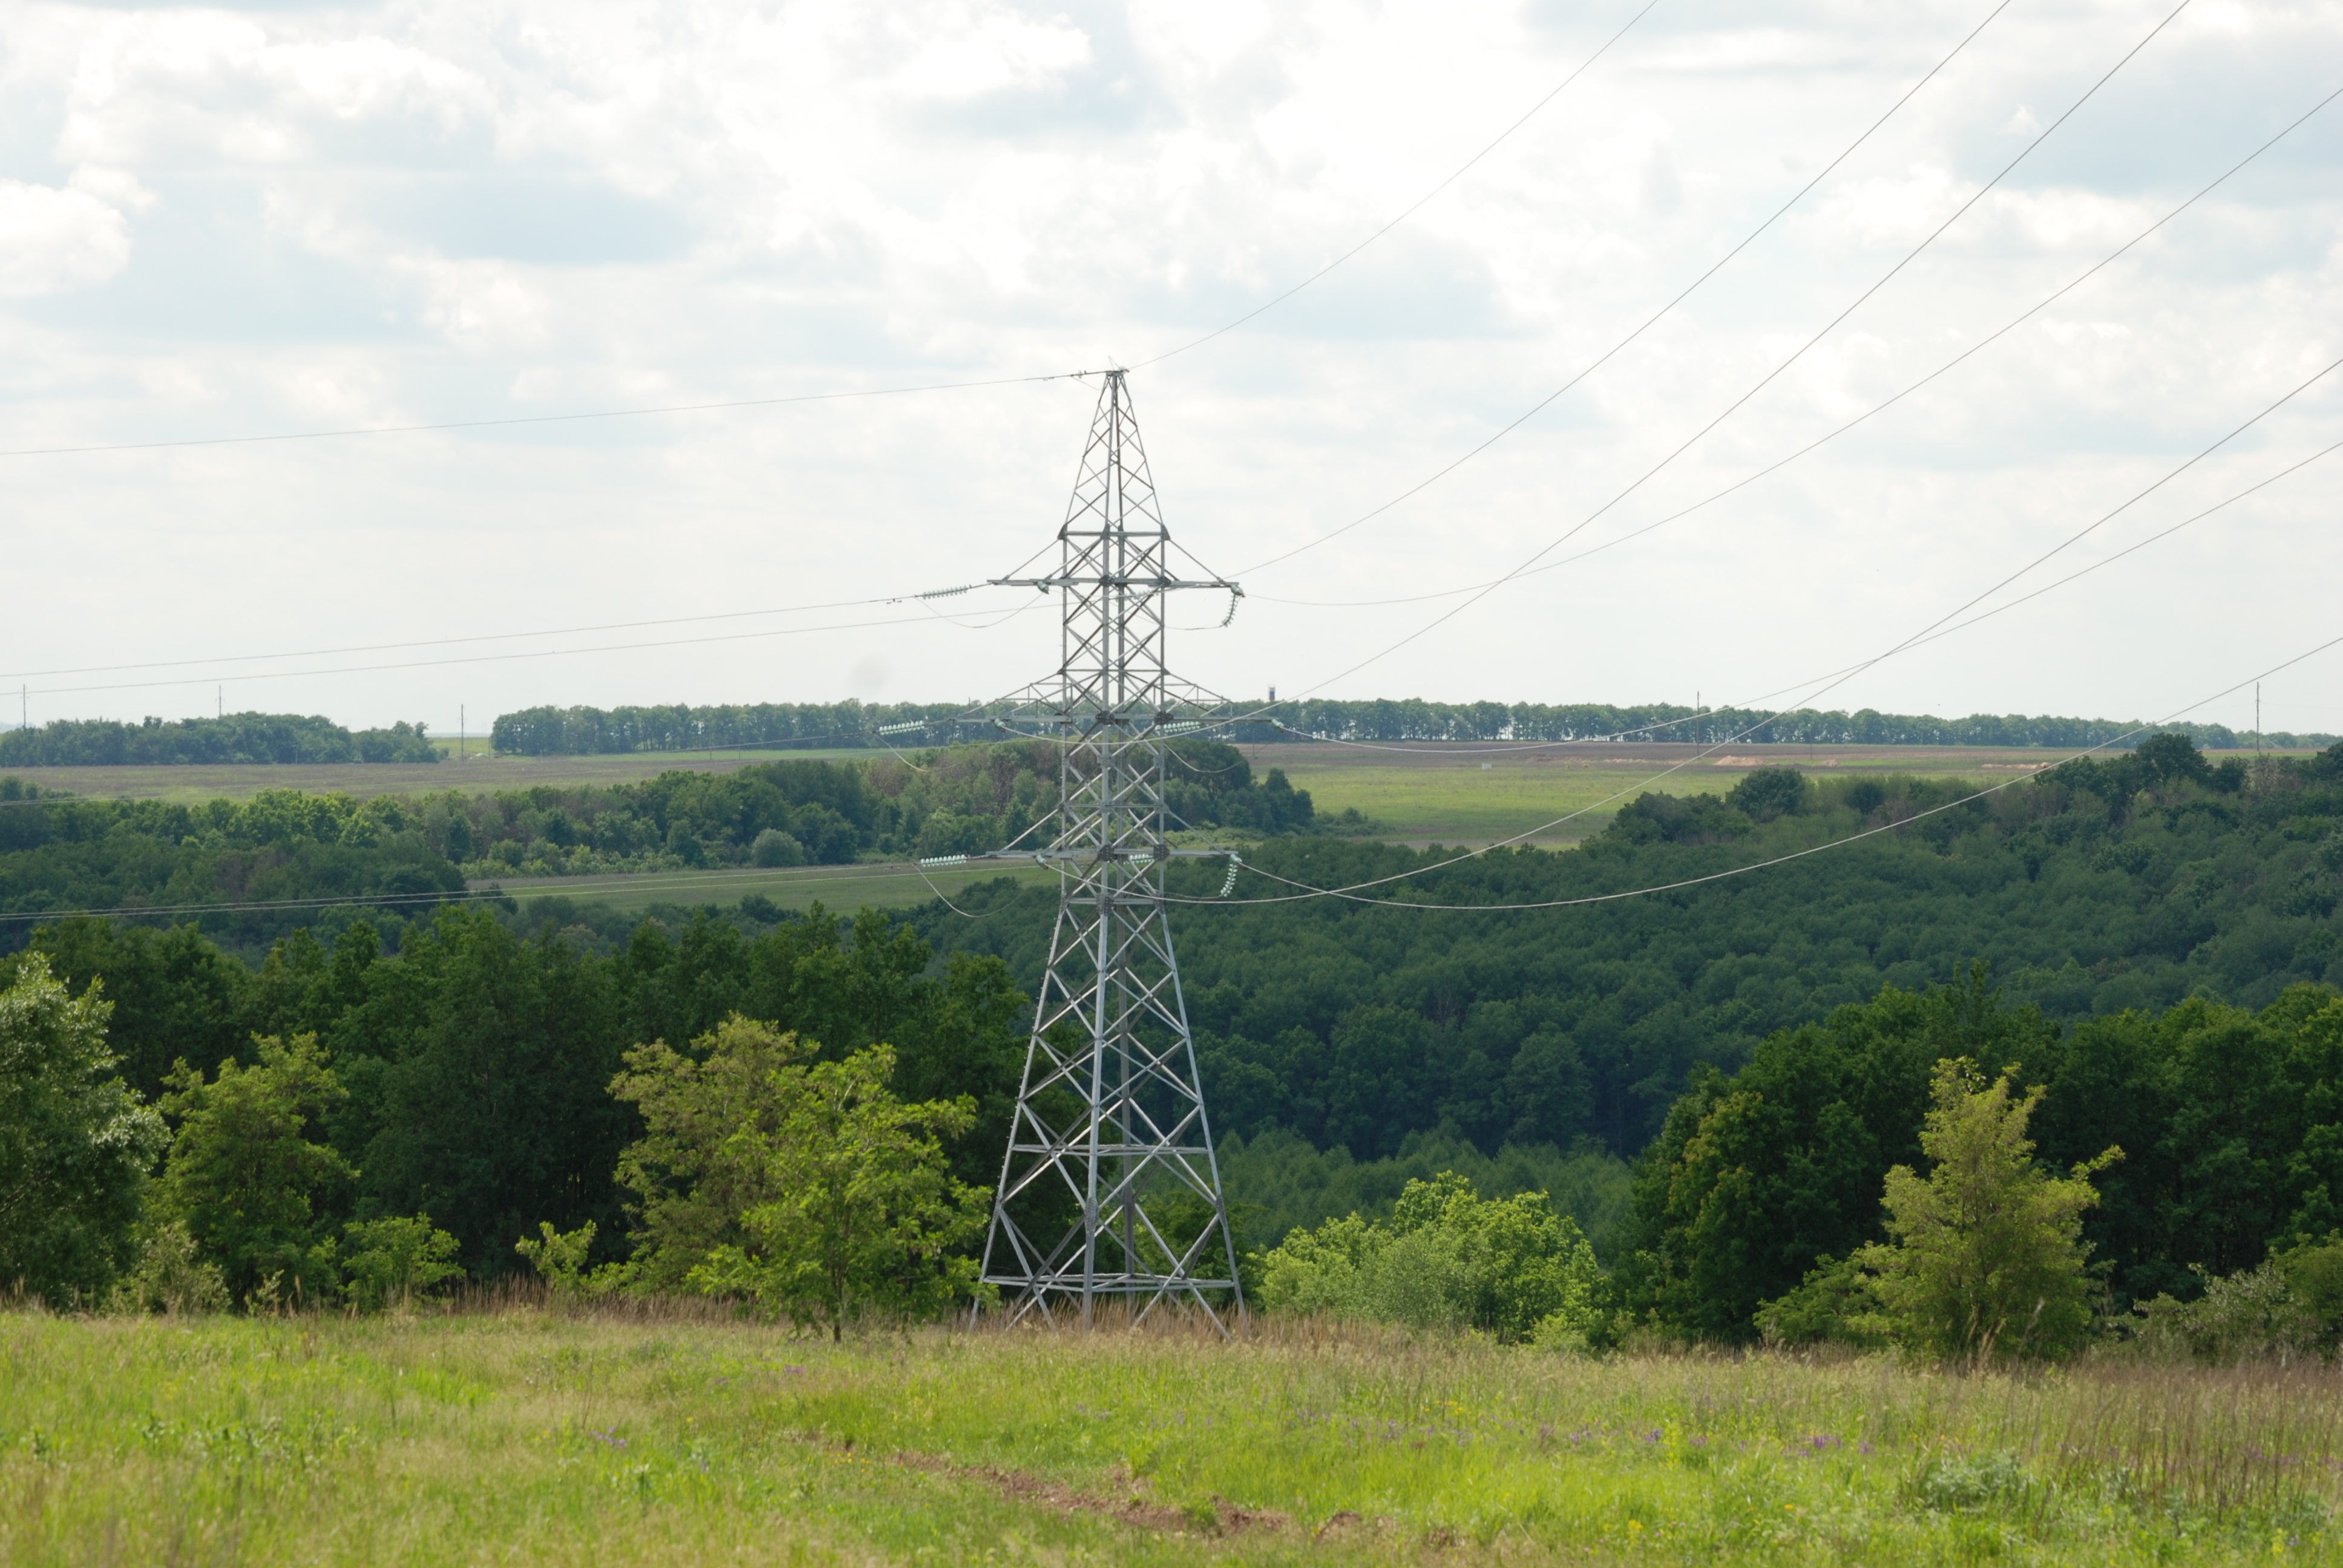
[59,852]
[234,738]
[583,731]
[1714,1080]
[1711,1081]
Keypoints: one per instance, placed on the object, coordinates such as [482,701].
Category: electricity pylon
[1110,1116]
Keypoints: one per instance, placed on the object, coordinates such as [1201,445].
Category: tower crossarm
[1152,584]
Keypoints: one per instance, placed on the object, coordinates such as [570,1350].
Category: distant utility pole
[460,721]
[2257,720]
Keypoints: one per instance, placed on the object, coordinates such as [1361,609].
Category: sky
[276,219]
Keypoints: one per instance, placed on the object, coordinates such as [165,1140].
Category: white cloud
[53,239]
[223,222]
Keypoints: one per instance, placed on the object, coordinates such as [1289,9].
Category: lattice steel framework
[1111,1114]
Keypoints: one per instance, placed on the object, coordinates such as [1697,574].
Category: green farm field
[513,1434]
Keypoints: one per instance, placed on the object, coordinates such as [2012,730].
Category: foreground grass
[525,1436]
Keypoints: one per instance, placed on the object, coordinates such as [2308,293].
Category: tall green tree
[696,1168]
[484,1060]
[1755,1175]
[861,1214]
[1986,1254]
[76,1142]
[247,1176]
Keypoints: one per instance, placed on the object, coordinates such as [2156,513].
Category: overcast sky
[277,218]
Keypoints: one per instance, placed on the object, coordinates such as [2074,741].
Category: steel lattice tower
[1110,1112]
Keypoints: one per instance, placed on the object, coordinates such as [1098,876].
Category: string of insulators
[902,729]
[934,862]
[1230,886]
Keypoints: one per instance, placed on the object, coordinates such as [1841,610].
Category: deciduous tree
[1987,1255]
[246,1179]
[76,1142]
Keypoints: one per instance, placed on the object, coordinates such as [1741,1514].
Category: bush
[559,1259]
[1448,1258]
[1768,793]
[392,1261]
[1836,1303]
[171,1277]
[774,847]
[2290,1306]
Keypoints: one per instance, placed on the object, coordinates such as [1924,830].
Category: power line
[533,653]
[216,660]
[1934,629]
[1765,380]
[1516,748]
[1461,170]
[536,419]
[1825,440]
[450,424]
[1349,893]
[1649,321]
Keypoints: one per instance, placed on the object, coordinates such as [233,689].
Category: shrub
[171,1277]
[774,847]
[1768,793]
[2290,1306]
[1448,1258]
[391,1261]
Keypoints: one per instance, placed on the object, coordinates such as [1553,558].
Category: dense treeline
[2132,883]
[2230,1120]
[473,1066]
[580,731]
[237,737]
[589,731]
[66,854]
[63,854]
[1415,719]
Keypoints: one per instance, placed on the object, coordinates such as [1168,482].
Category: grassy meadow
[510,1434]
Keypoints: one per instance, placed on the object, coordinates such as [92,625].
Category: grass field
[517,1435]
